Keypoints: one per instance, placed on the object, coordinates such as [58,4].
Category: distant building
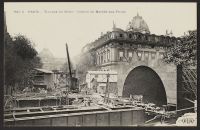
[43,78]
[98,79]
[49,61]
[137,24]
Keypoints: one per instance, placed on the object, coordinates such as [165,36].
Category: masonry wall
[166,72]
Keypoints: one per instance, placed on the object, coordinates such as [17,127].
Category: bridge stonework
[166,72]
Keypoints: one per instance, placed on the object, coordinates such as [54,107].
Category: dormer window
[134,37]
[138,37]
[120,44]
[130,36]
[112,35]
[146,38]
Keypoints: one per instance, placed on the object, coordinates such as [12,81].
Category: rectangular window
[101,58]
[161,55]
[121,55]
[146,55]
[139,54]
[104,57]
[153,55]
[97,59]
[156,39]
[130,54]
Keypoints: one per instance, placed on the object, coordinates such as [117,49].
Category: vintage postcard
[100,64]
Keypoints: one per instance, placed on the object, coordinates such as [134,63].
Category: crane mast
[69,65]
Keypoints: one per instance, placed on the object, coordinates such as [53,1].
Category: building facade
[137,57]
[43,78]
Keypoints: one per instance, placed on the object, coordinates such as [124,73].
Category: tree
[184,52]
[184,55]
[20,59]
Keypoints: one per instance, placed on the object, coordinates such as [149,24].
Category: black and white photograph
[100,64]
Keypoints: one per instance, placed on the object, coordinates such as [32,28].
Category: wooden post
[195,105]
[39,102]
[107,90]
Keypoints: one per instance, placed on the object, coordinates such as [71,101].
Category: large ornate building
[137,57]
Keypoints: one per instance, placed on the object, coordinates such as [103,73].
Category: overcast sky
[54,24]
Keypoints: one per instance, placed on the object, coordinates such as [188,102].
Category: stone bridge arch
[165,72]
[143,80]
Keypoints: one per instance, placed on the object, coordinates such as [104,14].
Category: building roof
[118,30]
[137,24]
[137,32]
[44,71]
[115,29]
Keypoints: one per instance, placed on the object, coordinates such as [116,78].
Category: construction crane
[73,82]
